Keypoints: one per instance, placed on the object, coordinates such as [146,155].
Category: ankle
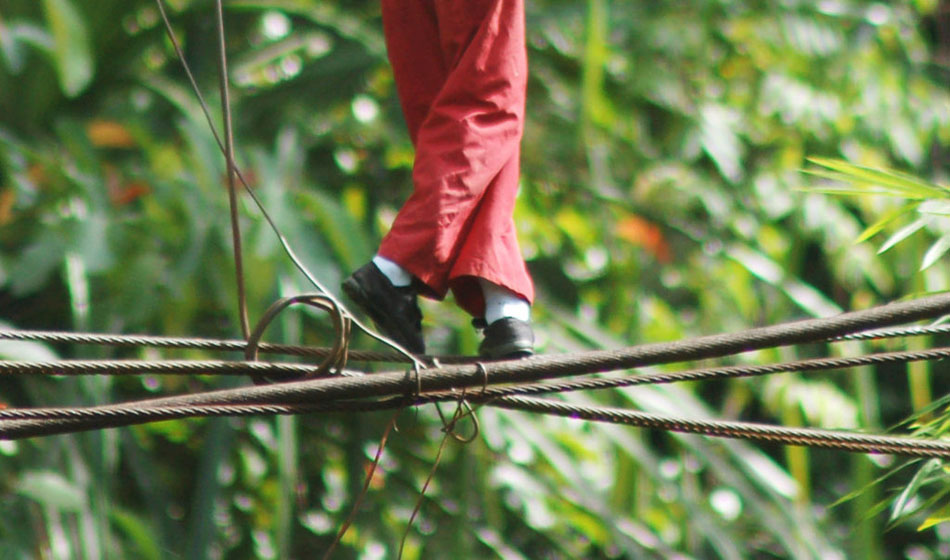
[500,302]
[397,275]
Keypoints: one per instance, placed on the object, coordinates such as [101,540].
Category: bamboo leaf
[51,489]
[942,516]
[889,217]
[910,491]
[903,234]
[72,52]
[937,250]
[936,207]
[896,182]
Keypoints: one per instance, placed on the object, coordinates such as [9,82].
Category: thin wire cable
[877,334]
[208,344]
[810,437]
[229,160]
[164,367]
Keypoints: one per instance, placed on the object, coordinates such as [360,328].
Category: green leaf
[51,489]
[903,234]
[937,250]
[942,516]
[893,182]
[139,533]
[889,217]
[905,497]
[72,53]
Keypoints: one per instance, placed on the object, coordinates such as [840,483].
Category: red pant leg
[458,221]
[414,46]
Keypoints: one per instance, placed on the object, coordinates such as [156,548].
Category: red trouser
[461,74]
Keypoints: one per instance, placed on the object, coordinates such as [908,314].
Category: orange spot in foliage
[121,193]
[129,192]
[37,175]
[109,134]
[644,233]
[7,199]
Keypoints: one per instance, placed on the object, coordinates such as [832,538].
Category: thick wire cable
[317,396]
[49,422]
[714,374]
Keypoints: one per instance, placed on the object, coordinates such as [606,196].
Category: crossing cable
[164,367]
[218,345]
[190,404]
[400,385]
[830,439]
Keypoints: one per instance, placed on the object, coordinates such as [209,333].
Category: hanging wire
[170,31]
[229,160]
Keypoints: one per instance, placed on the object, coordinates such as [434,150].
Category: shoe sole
[356,293]
[510,351]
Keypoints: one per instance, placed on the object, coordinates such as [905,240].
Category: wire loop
[335,359]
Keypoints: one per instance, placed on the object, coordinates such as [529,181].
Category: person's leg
[457,224]
[383,288]
[414,48]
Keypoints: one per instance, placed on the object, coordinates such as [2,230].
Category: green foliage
[930,200]
[661,199]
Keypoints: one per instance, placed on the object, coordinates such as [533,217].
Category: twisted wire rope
[210,345]
[811,437]
[32,422]
[716,373]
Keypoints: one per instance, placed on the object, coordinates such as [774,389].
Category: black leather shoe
[394,309]
[506,338]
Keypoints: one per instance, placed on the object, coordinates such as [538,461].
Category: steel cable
[210,345]
[715,373]
[831,439]
[34,422]
[164,367]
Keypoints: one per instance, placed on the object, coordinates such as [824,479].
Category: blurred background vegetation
[662,198]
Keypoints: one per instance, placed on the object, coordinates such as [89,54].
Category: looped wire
[414,374]
[335,359]
[448,425]
[479,366]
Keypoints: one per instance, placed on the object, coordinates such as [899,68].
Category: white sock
[398,275]
[501,302]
